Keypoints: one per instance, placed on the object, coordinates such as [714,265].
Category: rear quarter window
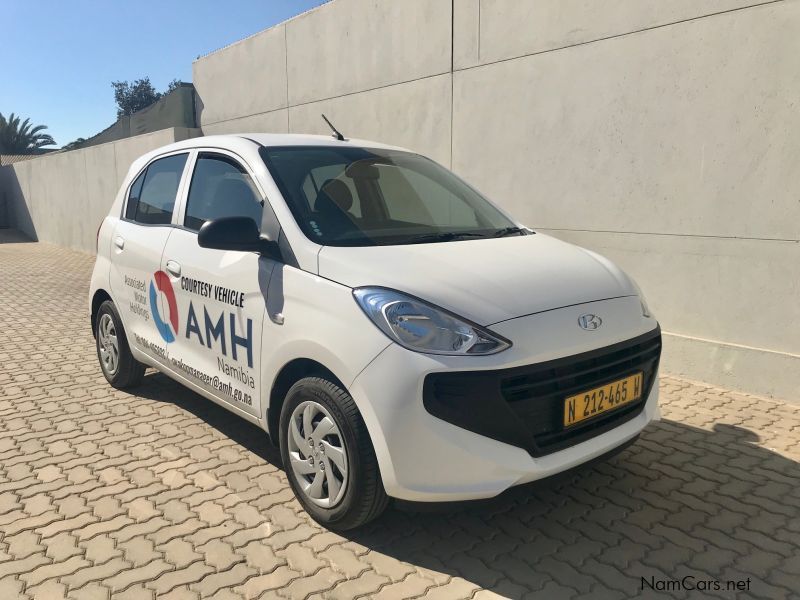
[152,195]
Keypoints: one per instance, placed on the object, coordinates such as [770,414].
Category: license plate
[602,399]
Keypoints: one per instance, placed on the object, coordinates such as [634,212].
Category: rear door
[140,288]
[219,294]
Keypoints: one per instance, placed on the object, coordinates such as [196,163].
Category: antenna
[336,133]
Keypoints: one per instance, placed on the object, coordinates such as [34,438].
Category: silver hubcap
[108,344]
[317,454]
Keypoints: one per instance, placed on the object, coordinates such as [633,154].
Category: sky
[59,57]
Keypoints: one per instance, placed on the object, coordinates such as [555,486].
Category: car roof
[243,144]
[234,141]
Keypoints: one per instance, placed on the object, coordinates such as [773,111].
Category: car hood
[485,280]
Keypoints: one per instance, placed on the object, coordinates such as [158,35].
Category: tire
[124,371]
[361,497]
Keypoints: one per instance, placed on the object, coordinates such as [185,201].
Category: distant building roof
[10,159]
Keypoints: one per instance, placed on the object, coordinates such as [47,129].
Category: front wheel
[119,366]
[328,455]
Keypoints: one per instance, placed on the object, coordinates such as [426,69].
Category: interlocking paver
[173,579]
[158,493]
[96,573]
[211,585]
[54,570]
[134,579]
[263,585]
[301,559]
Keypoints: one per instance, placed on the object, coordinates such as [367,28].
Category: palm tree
[22,138]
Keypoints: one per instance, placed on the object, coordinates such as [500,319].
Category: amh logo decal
[163,285]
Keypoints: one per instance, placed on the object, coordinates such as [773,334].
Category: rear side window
[220,188]
[152,196]
[133,196]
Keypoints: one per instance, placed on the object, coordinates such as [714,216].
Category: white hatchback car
[397,334]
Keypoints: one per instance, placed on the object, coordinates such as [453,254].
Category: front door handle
[174,268]
[119,242]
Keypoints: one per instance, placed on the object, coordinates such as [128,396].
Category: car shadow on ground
[708,504]
[158,387]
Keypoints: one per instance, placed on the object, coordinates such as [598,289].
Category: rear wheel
[328,455]
[119,366]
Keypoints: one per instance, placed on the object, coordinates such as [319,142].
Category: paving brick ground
[162,494]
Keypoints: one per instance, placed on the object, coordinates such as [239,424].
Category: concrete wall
[62,198]
[661,134]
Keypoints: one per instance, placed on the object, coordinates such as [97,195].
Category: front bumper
[481,446]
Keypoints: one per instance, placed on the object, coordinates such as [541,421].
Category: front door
[219,294]
[137,244]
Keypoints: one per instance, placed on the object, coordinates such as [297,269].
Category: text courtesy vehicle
[392,330]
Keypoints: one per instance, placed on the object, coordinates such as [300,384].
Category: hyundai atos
[392,330]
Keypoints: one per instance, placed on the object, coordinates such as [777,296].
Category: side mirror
[235,233]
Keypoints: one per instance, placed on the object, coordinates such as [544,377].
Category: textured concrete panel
[414,115]
[511,28]
[101,185]
[353,45]
[683,129]
[466,32]
[753,370]
[58,202]
[270,122]
[245,78]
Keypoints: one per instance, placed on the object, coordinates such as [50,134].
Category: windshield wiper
[510,231]
[447,236]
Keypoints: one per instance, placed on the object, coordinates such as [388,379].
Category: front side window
[220,188]
[365,197]
[152,196]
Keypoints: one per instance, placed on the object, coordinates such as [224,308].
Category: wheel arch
[291,373]
[98,298]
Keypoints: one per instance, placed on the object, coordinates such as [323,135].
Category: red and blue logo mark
[162,283]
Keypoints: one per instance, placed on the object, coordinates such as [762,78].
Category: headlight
[645,309]
[422,327]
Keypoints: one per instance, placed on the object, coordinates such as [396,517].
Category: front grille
[524,406]
[537,394]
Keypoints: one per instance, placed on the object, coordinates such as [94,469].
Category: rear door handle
[119,242]
[174,268]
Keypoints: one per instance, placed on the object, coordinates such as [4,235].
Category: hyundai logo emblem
[589,322]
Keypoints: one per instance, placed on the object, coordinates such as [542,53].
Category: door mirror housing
[236,233]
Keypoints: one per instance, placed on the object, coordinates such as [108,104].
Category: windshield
[366,197]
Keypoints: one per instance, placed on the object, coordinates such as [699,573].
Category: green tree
[74,145]
[132,96]
[21,137]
